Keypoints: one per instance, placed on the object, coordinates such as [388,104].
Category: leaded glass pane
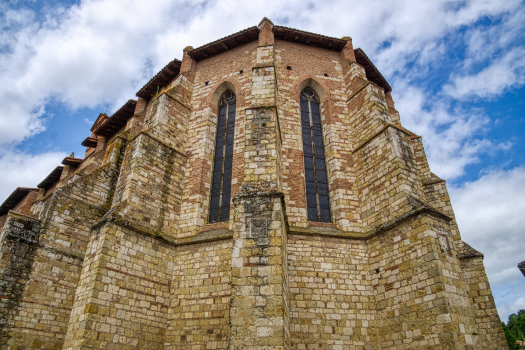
[312,214]
[325,215]
[317,200]
[223,159]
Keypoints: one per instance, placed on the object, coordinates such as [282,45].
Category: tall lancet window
[222,163]
[317,200]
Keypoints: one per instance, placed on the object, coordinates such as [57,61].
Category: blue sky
[457,69]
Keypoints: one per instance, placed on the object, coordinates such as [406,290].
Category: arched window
[222,162]
[317,201]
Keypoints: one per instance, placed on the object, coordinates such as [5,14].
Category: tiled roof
[166,74]
[216,47]
[224,44]
[372,73]
[72,161]
[307,38]
[521,266]
[90,142]
[102,117]
[53,177]
[14,198]
[117,120]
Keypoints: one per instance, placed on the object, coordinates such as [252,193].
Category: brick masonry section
[118,252]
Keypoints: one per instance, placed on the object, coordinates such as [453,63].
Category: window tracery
[223,159]
[317,199]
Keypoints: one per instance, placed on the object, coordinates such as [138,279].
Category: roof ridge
[310,33]
[225,37]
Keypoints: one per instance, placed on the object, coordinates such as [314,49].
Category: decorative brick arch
[320,89]
[222,86]
[311,81]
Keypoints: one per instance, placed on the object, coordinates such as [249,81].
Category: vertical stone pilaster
[18,244]
[259,292]
[259,301]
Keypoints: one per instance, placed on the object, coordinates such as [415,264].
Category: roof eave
[308,38]
[14,198]
[162,78]
[224,44]
[521,266]
[372,73]
[71,161]
[90,142]
[53,177]
[117,120]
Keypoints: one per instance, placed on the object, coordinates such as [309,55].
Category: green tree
[515,330]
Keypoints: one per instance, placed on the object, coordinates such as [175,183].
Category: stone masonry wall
[200,297]
[420,294]
[331,296]
[18,243]
[259,303]
[489,335]
[298,66]
[67,215]
[149,189]
[229,71]
[123,295]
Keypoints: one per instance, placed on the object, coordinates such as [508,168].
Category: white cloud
[489,213]
[18,169]
[516,302]
[94,53]
[452,137]
[494,80]
[101,52]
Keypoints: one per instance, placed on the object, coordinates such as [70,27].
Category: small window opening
[241,71]
[326,75]
[206,83]
[289,67]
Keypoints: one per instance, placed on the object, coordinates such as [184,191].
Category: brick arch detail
[308,80]
[222,86]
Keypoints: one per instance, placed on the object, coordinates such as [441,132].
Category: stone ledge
[258,189]
[56,250]
[155,139]
[330,232]
[260,106]
[432,182]
[217,234]
[358,91]
[469,252]
[176,100]
[386,126]
[263,65]
[21,228]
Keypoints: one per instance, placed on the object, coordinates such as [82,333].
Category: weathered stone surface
[119,254]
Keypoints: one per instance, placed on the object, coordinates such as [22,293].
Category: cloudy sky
[457,69]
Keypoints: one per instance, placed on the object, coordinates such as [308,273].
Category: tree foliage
[515,330]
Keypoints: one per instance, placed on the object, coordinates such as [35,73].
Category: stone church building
[259,194]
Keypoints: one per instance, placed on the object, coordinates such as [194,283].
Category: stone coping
[221,233]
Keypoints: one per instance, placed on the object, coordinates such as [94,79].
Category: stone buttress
[259,303]
[119,250]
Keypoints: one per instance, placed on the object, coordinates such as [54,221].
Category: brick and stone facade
[115,250]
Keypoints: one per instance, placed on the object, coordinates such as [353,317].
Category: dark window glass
[222,162]
[317,200]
